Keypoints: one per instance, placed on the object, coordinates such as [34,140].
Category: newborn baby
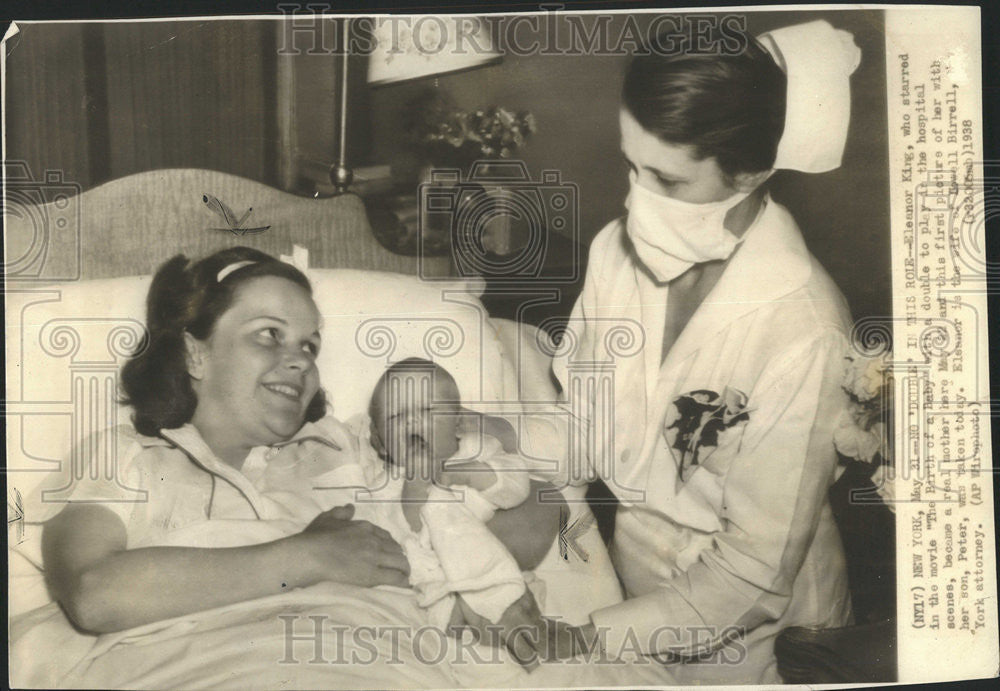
[444,477]
[420,430]
[431,473]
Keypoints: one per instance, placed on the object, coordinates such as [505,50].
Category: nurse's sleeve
[512,485]
[555,444]
[774,491]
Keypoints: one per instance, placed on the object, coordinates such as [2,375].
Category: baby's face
[418,409]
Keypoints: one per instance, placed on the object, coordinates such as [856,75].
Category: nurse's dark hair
[730,106]
[188,297]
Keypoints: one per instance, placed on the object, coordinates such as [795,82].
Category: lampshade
[408,47]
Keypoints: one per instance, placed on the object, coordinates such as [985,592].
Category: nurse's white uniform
[746,545]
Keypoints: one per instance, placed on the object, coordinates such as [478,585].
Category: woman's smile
[291,392]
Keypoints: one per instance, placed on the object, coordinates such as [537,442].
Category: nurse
[716,430]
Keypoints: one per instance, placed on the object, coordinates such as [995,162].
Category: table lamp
[409,47]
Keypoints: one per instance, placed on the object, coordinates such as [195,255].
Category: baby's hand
[474,474]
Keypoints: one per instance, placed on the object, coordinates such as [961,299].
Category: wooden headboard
[131,225]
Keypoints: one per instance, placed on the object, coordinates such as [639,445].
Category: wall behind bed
[101,101]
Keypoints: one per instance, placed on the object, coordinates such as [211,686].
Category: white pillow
[65,346]
[372,319]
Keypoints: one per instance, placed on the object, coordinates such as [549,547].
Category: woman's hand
[521,629]
[335,548]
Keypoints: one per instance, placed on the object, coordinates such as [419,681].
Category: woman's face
[670,169]
[257,371]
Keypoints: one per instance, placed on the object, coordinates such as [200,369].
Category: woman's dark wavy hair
[188,297]
[730,106]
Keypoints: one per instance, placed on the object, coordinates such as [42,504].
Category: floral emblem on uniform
[699,418]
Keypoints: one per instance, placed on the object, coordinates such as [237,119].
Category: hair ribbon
[230,268]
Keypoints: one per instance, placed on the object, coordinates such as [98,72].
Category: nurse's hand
[564,641]
[335,548]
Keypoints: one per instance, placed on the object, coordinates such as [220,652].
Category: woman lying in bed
[229,373]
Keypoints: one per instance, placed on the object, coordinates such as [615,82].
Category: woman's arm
[105,587]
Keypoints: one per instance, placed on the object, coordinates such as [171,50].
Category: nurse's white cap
[818,61]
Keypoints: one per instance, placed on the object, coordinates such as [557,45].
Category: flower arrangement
[863,432]
[446,136]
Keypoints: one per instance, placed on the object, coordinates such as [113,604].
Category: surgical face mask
[671,236]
